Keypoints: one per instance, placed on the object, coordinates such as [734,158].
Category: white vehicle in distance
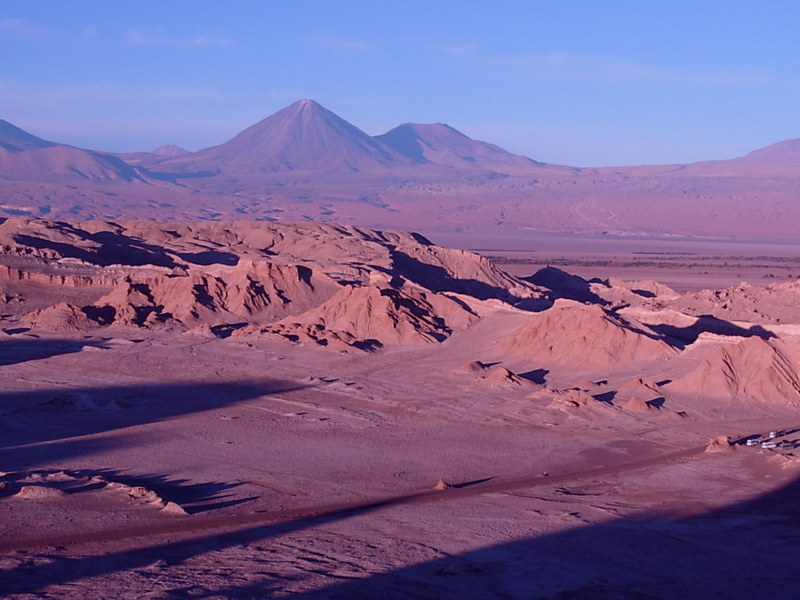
[774,434]
[752,442]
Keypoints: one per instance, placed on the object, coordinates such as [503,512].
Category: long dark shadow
[267,525]
[51,422]
[731,552]
[15,351]
[734,552]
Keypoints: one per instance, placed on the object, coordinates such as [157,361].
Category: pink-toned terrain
[229,373]
[306,163]
[252,409]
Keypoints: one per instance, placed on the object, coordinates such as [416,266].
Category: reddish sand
[246,410]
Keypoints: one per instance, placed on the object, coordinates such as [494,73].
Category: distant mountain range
[305,162]
[25,157]
[307,138]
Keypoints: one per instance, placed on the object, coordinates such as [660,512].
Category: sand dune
[638,387]
[775,303]
[752,369]
[585,336]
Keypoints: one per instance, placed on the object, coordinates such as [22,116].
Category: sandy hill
[587,336]
[777,303]
[346,254]
[60,317]
[752,369]
[638,387]
[250,291]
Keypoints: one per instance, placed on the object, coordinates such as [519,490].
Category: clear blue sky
[574,82]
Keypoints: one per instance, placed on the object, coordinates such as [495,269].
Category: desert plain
[247,409]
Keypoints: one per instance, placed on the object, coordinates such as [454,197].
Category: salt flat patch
[118,342]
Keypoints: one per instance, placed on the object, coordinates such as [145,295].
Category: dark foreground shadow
[41,425]
[736,552]
[192,497]
[19,350]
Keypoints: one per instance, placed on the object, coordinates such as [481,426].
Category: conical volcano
[304,136]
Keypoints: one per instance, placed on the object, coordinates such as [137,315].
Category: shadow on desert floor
[710,324]
[17,351]
[192,497]
[733,552]
[41,425]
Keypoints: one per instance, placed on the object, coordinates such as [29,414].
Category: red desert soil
[254,409]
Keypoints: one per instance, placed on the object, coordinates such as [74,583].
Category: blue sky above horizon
[573,82]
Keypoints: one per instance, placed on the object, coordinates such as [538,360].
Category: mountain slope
[14,139]
[781,159]
[305,163]
[302,137]
[443,145]
[63,164]
[25,157]
[786,152]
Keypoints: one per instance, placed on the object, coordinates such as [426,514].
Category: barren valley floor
[192,462]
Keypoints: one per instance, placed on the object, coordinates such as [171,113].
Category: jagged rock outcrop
[191,274]
[60,317]
[248,292]
[371,317]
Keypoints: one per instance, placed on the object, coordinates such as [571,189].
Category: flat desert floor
[170,463]
[681,264]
